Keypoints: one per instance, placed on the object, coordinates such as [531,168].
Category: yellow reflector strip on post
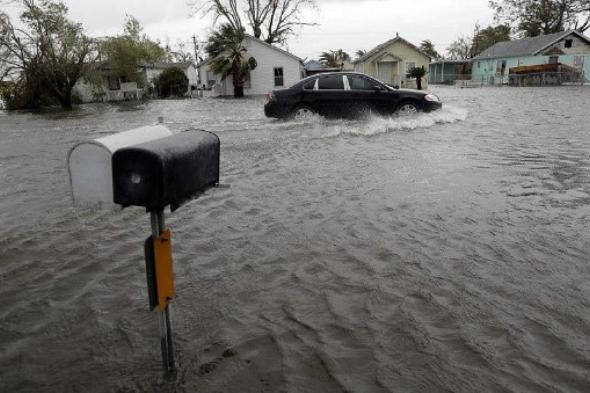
[164,271]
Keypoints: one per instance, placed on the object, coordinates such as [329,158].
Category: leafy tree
[418,73]
[225,48]
[334,59]
[538,17]
[45,58]
[489,36]
[360,53]
[270,20]
[124,54]
[172,82]
[460,49]
[427,47]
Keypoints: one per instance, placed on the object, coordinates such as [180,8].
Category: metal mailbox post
[152,168]
[164,172]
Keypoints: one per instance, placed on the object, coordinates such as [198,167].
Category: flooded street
[449,252]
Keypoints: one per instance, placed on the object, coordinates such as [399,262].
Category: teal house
[448,71]
[570,48]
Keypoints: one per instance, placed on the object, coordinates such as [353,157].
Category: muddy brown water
[443,253]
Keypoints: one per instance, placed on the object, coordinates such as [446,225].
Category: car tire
[408,108]
[302,112]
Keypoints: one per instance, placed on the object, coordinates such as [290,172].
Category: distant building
[570,48]
[313,67]
[276,69]
[114,88]
[449,71]
[392,61]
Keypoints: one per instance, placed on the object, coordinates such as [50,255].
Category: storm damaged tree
[45,58]
[460,48]
[531,18]
[225,48]
[427,47]
[269,20]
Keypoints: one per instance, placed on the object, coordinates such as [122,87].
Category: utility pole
[196,48]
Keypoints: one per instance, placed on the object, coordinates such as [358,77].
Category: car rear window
[331,82]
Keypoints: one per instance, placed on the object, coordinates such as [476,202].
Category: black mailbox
[166,171]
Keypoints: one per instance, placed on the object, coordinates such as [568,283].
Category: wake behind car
[346,94]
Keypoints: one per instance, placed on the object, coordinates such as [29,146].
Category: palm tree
[334,58]
[225,48]
[427,47]
[418,73]
[360,53]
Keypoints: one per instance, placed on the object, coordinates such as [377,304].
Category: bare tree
[270,20]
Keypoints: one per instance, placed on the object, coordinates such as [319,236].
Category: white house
[276,69]
[117,89]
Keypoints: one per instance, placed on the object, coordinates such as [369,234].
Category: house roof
[209,60]
[386,44]
[315,66]
[527,46]
[274,47]
[451,61]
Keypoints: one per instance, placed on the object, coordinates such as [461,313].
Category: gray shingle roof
[526,46]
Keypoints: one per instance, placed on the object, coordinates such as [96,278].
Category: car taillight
[271,97]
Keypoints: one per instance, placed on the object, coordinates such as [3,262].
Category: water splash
[319,127]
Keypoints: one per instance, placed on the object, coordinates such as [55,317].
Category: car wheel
[302,113]
[407,109]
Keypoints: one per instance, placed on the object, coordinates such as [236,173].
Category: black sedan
[345,94]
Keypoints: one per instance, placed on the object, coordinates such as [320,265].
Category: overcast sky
[346,24]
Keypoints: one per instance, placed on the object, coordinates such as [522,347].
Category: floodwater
[449,252]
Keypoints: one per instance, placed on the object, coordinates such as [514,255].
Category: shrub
[171,83]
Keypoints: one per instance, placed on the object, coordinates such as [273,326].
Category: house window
[279,80]
[569,43]
[478,65]
[409,66]
[553,59]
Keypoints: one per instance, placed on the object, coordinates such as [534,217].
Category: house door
[386,71]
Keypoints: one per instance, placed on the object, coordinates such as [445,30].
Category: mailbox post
[158,171]
[155,174]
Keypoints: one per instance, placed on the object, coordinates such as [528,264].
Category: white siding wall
[262,78]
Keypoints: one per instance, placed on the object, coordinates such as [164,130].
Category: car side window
[331,82]
[358,83]
[309,85]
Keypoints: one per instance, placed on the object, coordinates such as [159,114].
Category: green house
[570,48]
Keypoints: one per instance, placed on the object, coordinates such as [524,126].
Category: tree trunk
[419,83]
[238,91]
[65,99]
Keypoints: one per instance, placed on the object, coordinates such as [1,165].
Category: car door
[368,94]
[331,97]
